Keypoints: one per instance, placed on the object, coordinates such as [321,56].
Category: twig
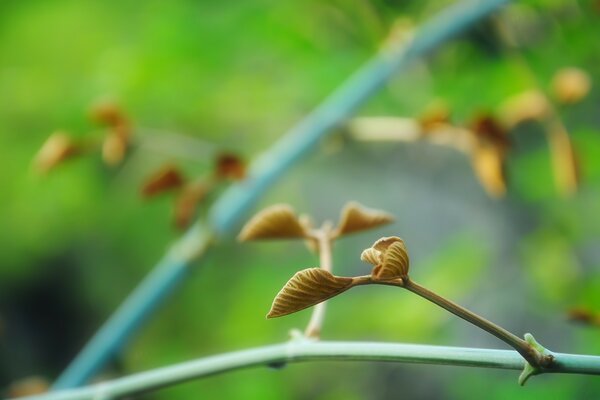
[305,350]
[230,208]
[324,244]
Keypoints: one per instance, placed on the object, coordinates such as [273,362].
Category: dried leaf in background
[571,85]
[168,177]
[187,204]
[275,222]
[356,217]
[230,166]
[57,148]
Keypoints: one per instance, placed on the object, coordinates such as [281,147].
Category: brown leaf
[108,114]
[435,116]
[383,243]
[307,288]
[356,217]
[564,159]
[390,258]
[584,316]
[371,256]
[275,222]
[395,262]
[114,149]
[29,386]
[57,148]
[489,131]
[168,177]
[525,106]
[230,166]
[570,85]
[488,164]
[187,203]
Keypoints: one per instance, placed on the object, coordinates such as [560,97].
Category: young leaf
[187,203]
[489,151]
[276,222]
[230,166]
[488,164]
[57,148]
[166,178]
[356,217]
[114,148]
[390,258]
[307,288]
[570,85]
[395,262]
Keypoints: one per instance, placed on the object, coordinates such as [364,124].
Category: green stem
[531,355]
[301,351]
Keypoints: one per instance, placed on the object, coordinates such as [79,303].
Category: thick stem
[304,351]
[531,355]
[324,244]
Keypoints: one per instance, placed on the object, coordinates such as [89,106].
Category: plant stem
[233,205]
[301,351]
[520,345]
[324,244]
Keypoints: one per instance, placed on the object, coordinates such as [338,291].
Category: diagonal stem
[532,356]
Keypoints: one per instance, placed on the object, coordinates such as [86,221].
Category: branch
[232,206]
[306,350]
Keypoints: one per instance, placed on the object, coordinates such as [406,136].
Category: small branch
[530,354]
[303,351]
[324,244]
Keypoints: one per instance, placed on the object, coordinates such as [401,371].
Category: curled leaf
[390,258]
[356,217]
[383,243]
[307,288]
[371,256]
[570,85]
[166,178]
[57,148]
[230,166]
[395,262]
[276,222]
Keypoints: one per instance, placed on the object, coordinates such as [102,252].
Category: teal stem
[307,350]
[230,209]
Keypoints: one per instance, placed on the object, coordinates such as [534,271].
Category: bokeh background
[200,77]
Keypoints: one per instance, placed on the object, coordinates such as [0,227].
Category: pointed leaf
[307,288]
[275,222]
[356,217]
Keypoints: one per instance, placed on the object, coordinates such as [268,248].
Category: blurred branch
[307,350]
[232,206]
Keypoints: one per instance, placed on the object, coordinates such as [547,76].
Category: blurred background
[507,225]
